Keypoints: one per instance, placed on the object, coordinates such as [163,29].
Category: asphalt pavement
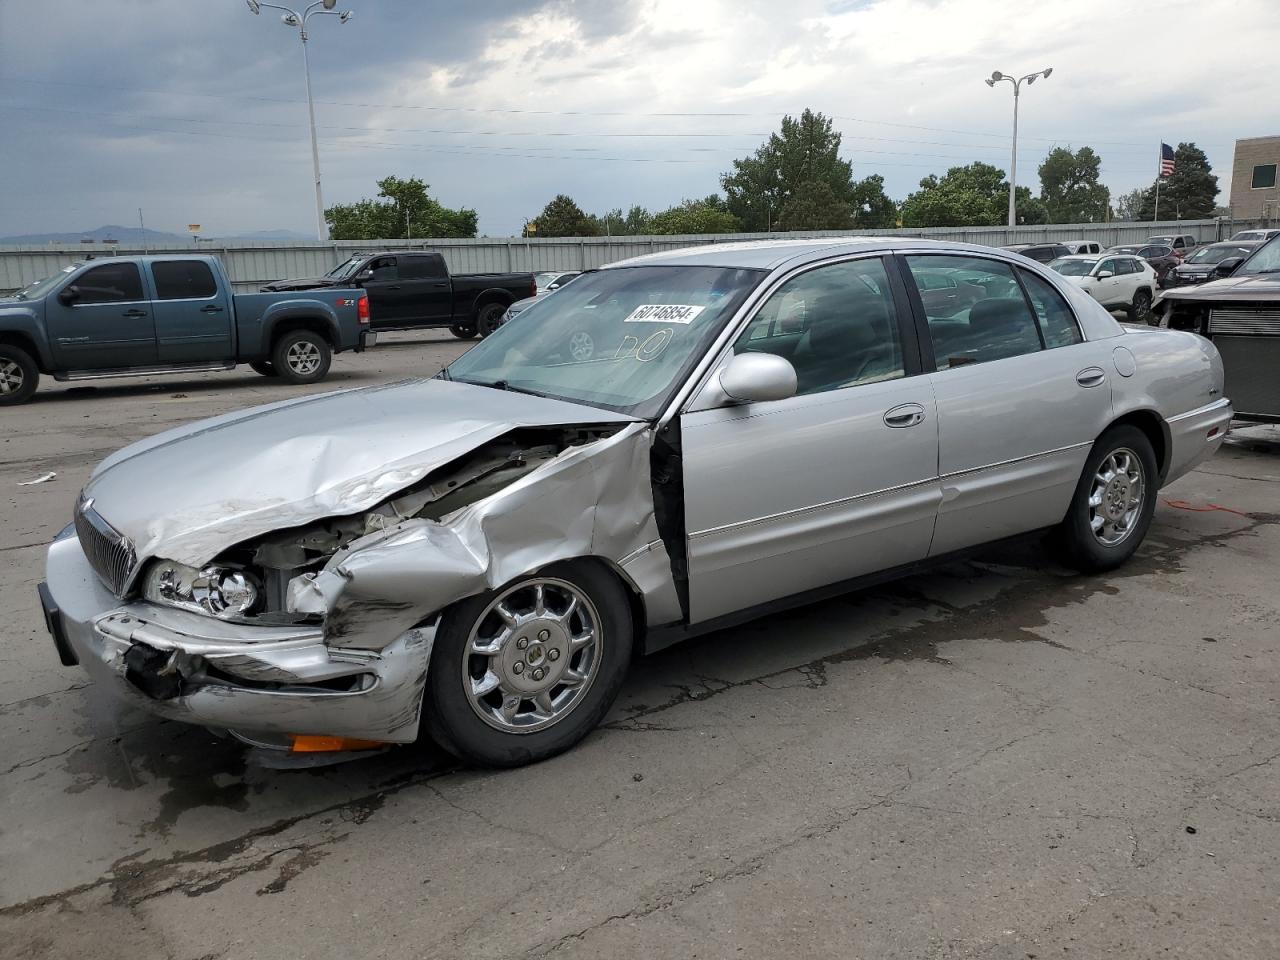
[1000,759]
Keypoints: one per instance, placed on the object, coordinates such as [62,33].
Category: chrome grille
[109,552]
[1246,321]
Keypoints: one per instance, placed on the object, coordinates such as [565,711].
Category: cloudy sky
[195,110]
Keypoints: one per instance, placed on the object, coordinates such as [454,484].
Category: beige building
[1255,187]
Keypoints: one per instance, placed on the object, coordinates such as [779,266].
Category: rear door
[108,325]
[837,481]
[192,315]
[425,280]
[1021,397]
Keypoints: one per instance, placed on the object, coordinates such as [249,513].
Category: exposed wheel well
[289,325]
[494,296]
[1157,431]
[24,342]
[634,598]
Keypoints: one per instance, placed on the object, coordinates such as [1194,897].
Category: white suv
[1117,281]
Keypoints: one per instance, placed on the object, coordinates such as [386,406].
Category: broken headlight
[221,592]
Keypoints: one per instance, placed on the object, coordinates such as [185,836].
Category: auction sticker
[663,313]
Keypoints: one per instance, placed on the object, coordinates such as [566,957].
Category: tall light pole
[292,18]
[1030,78]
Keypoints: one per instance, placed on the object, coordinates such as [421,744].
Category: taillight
[362,309]
[533,288]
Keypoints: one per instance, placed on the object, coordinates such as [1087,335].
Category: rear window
[183,280]
[425,267]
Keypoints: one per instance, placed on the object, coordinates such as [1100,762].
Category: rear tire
[463,331]
[301,356]
[1113,503]
[263,367]
[489,318]
[19,375]
[551,676]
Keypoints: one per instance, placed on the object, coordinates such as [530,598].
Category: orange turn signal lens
[307,743]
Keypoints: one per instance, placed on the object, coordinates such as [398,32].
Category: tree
[973,196]
[1069,187]
[1189,193]
[615,223]
[406,210]
[564,218]
[796,181]
[709,215]
[1130,204]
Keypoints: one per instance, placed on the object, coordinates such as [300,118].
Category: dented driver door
[833,483]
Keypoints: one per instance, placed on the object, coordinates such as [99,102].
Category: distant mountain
[133,236]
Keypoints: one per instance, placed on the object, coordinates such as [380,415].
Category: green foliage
[976,195]
[1069,187]
[709,215]
[405,210]
[562,217]
[1130,204]
[796,181]
[1189,193]
[615,223]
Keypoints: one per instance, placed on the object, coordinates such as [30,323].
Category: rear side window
[110,283]
[183,280]
[425,267]
[992,323]
[1057,322]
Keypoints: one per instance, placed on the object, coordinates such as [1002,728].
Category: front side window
[110,283]
[384,268]
[836,324]
[994,327]
[1057,322]
[1108,266]
[623,338]
[183,280]
[1264,176]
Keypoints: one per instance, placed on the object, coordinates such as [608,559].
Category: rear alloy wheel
[19,375]
[489,318]
[1140,312]
[1113,503]
[524,672]
[302,356]
[463,331]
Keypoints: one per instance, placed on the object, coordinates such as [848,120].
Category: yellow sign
[193,227]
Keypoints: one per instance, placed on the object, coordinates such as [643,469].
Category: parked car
[1180,243]
[1040,252]
[1161,258]
[413,290]
[477,556]
[1199,267]
[1117,281]
[140,316]
[1083,246]
[552,279]
[520,306]
[1240,312]
[1259,235]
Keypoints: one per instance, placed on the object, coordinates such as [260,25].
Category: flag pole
[1159,169]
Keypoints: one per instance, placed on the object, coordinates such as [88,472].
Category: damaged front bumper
[257,682]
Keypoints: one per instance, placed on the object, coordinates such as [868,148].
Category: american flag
[1166,160]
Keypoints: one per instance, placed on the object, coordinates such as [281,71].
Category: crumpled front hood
[1248,287]
[311,283]
[188,494]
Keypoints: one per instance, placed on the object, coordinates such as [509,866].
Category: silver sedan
[478,556]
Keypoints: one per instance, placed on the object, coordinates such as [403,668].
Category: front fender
[27,321]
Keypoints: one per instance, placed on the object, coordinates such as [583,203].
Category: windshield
[1266,259]
[345,270]
[1073,268]
[1132,249]
[1161,241]
[622,339]
[546,277]
[38,289]
[1216,254]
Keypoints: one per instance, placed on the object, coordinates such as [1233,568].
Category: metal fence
[252,264]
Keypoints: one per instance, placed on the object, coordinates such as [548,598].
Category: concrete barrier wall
[251,264]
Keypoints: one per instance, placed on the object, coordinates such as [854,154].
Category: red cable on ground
[1206,508]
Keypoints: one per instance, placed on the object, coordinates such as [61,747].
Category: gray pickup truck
[135,316]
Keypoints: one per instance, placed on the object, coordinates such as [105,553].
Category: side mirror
[1227,266]
[69,295]
[364,276]
[1104,274]
[752,377]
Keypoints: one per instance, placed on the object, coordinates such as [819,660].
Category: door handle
[211,308]
[1091,377]
[439,283]
[905,415]
[134,314]
[393,286]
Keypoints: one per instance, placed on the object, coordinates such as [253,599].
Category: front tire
[263,367]
[463,331]
[19,375]
[302,356]
[524,672]
[1113,503]
[489,318]
[1140,309]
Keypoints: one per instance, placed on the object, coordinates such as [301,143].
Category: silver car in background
[478,556]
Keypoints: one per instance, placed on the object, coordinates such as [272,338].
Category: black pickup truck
[412,289]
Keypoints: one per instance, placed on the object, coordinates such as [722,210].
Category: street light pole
[292,18]
[1030,78]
